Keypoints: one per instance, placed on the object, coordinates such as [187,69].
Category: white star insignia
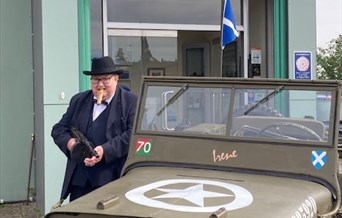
[194,194]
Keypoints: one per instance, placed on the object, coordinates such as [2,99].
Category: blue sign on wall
[302,65]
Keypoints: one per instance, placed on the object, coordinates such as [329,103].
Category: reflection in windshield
[174,98]
[266,98]
[178,108]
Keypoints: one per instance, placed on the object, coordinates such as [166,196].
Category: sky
[329,21]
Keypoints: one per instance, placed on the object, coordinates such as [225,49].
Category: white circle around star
[194,194]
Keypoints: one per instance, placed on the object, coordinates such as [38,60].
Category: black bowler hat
[103,65]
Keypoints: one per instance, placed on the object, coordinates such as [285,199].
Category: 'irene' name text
[224,156]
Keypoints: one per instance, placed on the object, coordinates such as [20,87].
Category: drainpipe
[280,51]
[280,39]
[84,42]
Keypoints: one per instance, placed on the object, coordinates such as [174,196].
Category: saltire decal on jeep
[318,159]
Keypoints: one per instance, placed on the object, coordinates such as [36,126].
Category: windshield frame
[235,87]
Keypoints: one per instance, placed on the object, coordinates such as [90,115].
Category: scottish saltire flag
[229,32]
[318,158]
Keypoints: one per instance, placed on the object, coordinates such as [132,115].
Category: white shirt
[99,108]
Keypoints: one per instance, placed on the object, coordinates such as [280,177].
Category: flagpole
[221,53]
[246,37]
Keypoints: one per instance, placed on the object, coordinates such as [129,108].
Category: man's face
[107,82]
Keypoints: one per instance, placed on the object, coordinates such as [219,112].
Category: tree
[120,56]
[329,60]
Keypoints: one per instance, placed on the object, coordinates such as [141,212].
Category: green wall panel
[60,50]
[55,161]
[16,98]
[301,31]
[56,49]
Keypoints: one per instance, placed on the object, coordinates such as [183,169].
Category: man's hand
[93,160]
[71,143]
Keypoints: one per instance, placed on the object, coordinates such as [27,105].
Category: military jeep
[220,147]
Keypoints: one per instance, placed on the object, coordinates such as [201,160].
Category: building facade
[45,45]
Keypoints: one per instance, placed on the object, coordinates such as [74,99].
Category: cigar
[99,95]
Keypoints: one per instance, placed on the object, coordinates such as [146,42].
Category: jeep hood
[162,192]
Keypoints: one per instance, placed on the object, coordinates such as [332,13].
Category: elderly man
[104,116]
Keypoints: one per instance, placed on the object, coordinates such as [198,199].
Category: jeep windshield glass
[266,98]
[178,108]
[292,114]
[276,113]
[174,98]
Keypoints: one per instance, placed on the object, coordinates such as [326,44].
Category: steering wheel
[277,126]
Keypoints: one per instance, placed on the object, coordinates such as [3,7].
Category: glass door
[196,60]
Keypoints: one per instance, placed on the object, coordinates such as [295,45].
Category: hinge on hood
[220,213]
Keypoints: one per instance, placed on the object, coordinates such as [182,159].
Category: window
[165,11]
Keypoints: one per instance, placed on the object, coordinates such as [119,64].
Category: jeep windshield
[275,112]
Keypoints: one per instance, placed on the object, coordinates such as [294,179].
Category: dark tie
[102,102]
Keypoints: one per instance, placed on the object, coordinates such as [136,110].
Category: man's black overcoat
[119,129]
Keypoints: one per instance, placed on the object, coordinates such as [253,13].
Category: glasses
[97,80]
